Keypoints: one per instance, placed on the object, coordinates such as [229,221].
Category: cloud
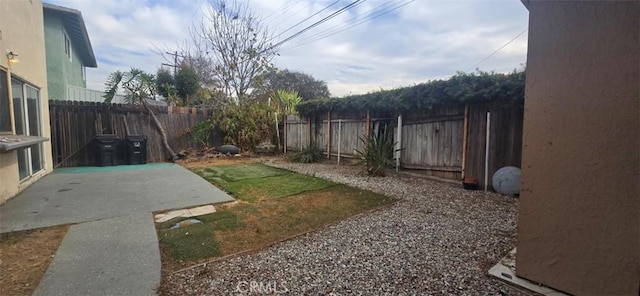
[424,40]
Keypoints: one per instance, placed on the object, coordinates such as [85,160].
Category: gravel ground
[439,239]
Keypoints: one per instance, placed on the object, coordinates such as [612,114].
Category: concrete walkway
[113,248]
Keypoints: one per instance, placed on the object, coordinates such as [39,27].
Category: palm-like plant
[138,87]
[287,99]
[377,154]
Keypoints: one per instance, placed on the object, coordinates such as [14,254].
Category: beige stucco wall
[21,24]
[578,228]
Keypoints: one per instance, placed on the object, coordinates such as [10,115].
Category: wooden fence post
[309,123]
[486,152]
[368,128]
[328,134]
[465,132]
[399,143]
[339,138]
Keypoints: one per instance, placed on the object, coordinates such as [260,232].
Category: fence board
[505,141]
[75,124]
[432,139]
[432,144]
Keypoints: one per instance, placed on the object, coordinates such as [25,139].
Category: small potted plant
[470,183]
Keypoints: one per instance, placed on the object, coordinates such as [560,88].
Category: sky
[377,48]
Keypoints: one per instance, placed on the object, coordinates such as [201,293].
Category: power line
[343,26]
[287,17]
[497,50]
[198,7]
[281,9]
[306,19]
[379,14]
[159,51]
[334,14]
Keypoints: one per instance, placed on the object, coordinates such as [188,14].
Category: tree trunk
[163,134]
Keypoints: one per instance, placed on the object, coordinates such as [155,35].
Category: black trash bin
[136,149]
[106,149]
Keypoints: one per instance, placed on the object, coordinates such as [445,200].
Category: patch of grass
[276,219]
[289,204]
[275,187]
[260,181]
[222,220]
[195,241]
[189,243]
[233,173]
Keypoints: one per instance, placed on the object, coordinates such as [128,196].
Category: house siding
[579,224]
[61,70]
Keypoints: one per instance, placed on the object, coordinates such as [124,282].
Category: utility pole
[175,61]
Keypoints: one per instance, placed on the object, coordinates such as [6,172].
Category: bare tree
[236,42]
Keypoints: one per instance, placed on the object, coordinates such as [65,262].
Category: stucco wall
[22,32]
[8,175]
[61,70]
[578,228]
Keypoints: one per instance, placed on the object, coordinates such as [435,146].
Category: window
[5,115]
[28,121]
[84,73]
[67,45]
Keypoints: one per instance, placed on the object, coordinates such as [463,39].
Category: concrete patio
[112,248]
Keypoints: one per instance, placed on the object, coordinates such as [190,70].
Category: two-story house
[68,51]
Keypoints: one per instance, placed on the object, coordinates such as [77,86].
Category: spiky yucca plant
[377,154]
[311,154]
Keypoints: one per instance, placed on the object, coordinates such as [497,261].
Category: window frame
[6,82]
[27,153]
[68,48]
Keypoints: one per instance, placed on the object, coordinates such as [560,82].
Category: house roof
[74,25]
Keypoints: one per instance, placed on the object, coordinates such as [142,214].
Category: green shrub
[201,133]
[245,125]
[377,154]
[311,154]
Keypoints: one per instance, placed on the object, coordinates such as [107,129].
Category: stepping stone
[185,213]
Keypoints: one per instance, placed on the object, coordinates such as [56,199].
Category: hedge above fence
[462,88]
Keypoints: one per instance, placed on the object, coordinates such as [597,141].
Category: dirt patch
[196,163]
[25,256]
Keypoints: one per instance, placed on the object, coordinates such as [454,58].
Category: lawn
[274,204]
[255,181]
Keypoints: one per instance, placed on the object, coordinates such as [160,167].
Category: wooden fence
[505,139]
[445,142]
[336,135]
[432,142]
[74,126]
